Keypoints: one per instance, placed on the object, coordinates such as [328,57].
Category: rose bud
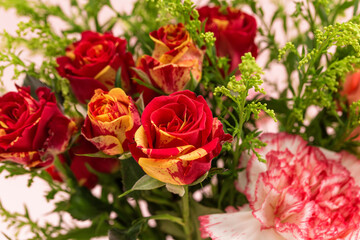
[178,138]
[351,92]
[32,132]
[93,62]
[351,87]
[234,32]
[175,56]
[111,121]
[78,164]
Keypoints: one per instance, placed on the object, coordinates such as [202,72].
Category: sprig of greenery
[185,12]
[237,91]
[42,39]
[23,221]
[318,83]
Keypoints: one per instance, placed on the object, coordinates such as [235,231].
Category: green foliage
[39,38]
[316,60]
[237,90]
[318,84]
[20,221]
[144,183]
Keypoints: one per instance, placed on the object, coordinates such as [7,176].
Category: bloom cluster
[172,122]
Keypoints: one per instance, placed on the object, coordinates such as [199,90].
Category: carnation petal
[235,226]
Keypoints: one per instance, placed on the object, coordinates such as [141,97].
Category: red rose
[92,63]
[234,31]
[32,132]
[78,164]
[178,138]
[111,121]
[174,59]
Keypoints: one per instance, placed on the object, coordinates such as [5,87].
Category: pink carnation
[301,192]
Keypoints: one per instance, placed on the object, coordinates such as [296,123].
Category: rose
[174,59]
[300,192]
[178,138]
[32,132]
[234,32]
[92,63]
[78,164]
[351,87]
[351,92]
[112,119]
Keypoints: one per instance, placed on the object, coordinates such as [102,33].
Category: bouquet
[180,120]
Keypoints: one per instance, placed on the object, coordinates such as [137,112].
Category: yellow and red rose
[111,121]
[178,138]
[31,131]
[93,62]
[234,31]
[175,56]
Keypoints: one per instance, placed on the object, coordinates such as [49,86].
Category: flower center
[108,109]
[95,51]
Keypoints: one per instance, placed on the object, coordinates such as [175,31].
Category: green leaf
[149,86]
[356,6]
[173,229]
[140,103]
[192,84]
[197,210]
[176,189]
[99,154]
[200,179]
[147,183]
[67,172]
[34,84]
[84,233]
[131,172]
[116,234]
[144,183]
[143,76]
[130,234]
[166,217]
[118,78]
[124,156]
[83,205]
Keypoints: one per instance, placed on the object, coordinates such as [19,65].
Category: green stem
[186,213]
[238,150]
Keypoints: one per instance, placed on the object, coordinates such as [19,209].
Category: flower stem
[186,213]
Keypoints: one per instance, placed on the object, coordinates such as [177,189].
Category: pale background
[13,192]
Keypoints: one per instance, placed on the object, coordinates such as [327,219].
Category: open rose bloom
[111,121]
[92,63]
[32,132]
[301,192]
[178,138]
[174,59]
